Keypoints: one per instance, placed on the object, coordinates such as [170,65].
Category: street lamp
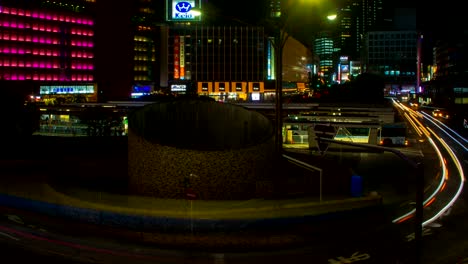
[280,40]
[281,36]
[331,17]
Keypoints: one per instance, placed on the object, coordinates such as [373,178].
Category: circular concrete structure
[219,151]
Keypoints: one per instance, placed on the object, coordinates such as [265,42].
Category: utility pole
[279,95]
[281,36]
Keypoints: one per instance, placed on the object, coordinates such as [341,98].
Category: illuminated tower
[354,19]
[324,48]
[47,48]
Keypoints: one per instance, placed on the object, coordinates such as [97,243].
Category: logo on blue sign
[183,7]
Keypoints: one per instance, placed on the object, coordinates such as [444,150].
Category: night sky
[441,18]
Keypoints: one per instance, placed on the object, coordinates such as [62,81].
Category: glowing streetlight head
[196,12]
[331,17]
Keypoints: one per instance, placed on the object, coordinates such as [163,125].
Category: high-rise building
[47,48]
[225,62]
[227,58]
[354,19]
[346,32]
[146,27]
[393,54]
[324,48]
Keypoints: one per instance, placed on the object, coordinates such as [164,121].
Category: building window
[256,86]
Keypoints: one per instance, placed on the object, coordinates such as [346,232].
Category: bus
[393,134]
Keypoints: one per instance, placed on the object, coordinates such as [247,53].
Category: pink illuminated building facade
[47,50]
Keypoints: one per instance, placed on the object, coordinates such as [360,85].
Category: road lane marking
[412,236]
[218,258]
[15,219]
[9,236]
[354,258]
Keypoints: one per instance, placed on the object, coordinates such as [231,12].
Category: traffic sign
[190,194]
[324,131]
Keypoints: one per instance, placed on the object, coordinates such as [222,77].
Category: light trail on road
[413,118]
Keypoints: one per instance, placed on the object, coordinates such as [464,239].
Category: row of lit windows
[141,39]
[142,48]
[60,89]
[145,28]
[143,58]
[147,10]
[29,38]
[141,78]
[140,68]
[82,43]
[45,15]
[42,40]
[50,64]
[45,28]
[82,54]
[45,77]
[44,52]
[253,42]
[398,73]
[81,66]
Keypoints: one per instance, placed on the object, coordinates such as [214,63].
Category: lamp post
[280,40]
[278,26]
[281,37]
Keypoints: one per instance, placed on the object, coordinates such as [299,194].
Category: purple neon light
[45,16]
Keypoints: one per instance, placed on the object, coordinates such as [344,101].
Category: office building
[47,49]
[227,59]
[393,54]
[324,48]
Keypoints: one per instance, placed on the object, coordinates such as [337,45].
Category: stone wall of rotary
[216,151]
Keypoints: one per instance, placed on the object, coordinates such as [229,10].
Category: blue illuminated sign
[184,10]
[183,7]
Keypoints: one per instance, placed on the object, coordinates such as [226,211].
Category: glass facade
[324,48]
[393,54]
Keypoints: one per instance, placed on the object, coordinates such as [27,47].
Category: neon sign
[182,10]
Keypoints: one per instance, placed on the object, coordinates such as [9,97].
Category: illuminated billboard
[183,10]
